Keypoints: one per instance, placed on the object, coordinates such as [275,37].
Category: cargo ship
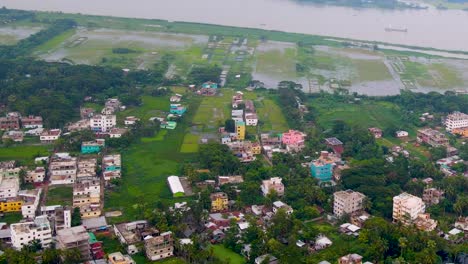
[394,29]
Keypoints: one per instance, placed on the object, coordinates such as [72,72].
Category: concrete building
[86,168]
[347,202]
[322,168]
[222,180]
[117,132]
[273,184]
[159,247]
[131,120]
[119,258]
[36,175]
[456,120]
[102,123]
[432,196]
[30,205]
[24,233]
[90,147]
[251,119]
[406,208]
[432,137]
[9,123]
[74,238]
[280,205]
[50,136]
[401,134]
[335,144]
[219,202]
[9,185]
[31,122]
[87,197]
[62,169]
[111,167]
[350,259]
[132,233]
[14,135]
[240,130]
[376,132]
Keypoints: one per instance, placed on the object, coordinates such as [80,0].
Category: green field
[24,153]
[11,217]
[271,117]
[213,111]
[227,255]
[151,107]
[190,144]
[62,195]
[372,70]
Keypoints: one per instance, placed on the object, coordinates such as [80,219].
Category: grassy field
[11,218]
[227,255]
[271,117]
[151,106]
[62,195]
[190,144]
[24,153]
[55,42]
[213,111]
[372,70]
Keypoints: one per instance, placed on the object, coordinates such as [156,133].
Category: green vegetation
[271,117]
[11,218]
[371,70]
[277,63]
[227,255]
[55,42]
[190,144]
[24,152]
[62,195]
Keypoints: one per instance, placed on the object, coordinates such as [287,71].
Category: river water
[441,29]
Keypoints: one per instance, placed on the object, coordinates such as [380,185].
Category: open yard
[271,117]
[227,255]
[62,195]
[190,144]
[24,153]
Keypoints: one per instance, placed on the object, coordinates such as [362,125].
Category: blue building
[322,168]
[92,146]
[177,109]
[210,85]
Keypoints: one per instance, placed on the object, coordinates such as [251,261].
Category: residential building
[87,197]
[107,110]
[251,119]
[9,184]
[90,147]
[86,168]
[424,222]
[9,123]
[280,205]
[176,186]
[102,123]
[401,134]
[219,202]
[273,184]
[10,205]
[50,136]
[132,233]
[14,135]
[62,169]
[347,202]
[456,120]
[432,196]
[24,233]
[335,144]
[119,258]
[432,137]
[79,125]
[31,121]
[237,115]
[237,99]
[74,238]
[30,202]
[270,140]
[36,175]
[62,217]
[111,167]
[266,259]
[117,132]
[293,140]
[175,98]
[322,168]
[159,247]
[377,132]
[131,120]
[222,180]
[210,85]
[463,131]
[169,125]
[114,103]
[177,109]
[86,113]
[407,207]
[240,130]
[350,259]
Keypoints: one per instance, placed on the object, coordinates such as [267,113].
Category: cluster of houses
[16,126]
[176,111]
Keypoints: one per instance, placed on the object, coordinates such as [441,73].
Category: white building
[176,186]
[251,119]
[275,184]
[111,167]
[102,123]
[407,207]
[9,186]
[62,169]
[131,120]
[23,233]
[456,120]
[31,199]
[401,133]
[50,136]
[280,205]
[36,175]
[347,202]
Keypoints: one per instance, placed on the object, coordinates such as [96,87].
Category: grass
[11,217]
[445,77]
[371,70]
[62,195]
[271,117]
[190,144]
[213,111]
[55,42]
[151,106]
[23,152]
[227,255]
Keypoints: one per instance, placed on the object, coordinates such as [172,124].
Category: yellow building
[219,202]
[13,205]
[461,131]
[256,149]
[240,129]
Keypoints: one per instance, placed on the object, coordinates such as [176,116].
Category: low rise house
[424,222]
[222,180]
[159,247]
[34,132]
[432,196]
[266,259]
[177,109]
[62,169]
[401,134]
[115,104]
[36,175]
[24,233]
[79,125]
[350,259]
[280,205]
[14,135]
[169,125]
[31,121]
[377,132]
[237,99]
[50,136]
[463,132]
[270,140]
[176,186]
[175,98]
[335,144]
[86,113]
[74,238]
[210,85]
[111,167]
[251,119]
[119,258]
[273,184]
[132,233]
[117,132]
[131,120]
[359,218]
[30,202]
[102,123]
[322,242]
[347,202]
[293,140]
[219,202]
[432,137]
[90,147]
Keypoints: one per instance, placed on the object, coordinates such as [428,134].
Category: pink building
[293,137]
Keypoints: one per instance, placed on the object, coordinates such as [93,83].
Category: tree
[71,256]
[230,126]
[51,256]
[76,217]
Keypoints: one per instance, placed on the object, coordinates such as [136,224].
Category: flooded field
[141,48]
[11,34]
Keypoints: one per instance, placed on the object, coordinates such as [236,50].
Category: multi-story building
[159,247]
[322,168]
[117,132]
[10,205]
[74,238]
[102,123]
[251,119]
[335,144]
[407,207]
[293,140]
[237,115]
[31,121]
[36,175]
[62,169]
[111,167]
[131,120]
[462,131]
[273,184]
[240,130]
[456,120]
[50,136]
[9,186]
[9,123]
[432,196]
[119,258]
[26,232]
[86,168]
[432,137]
[87,197]
[132,233]
[90,147]
[347,202]
[219,202]
[30,202]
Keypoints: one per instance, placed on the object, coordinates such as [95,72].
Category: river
[441,29]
